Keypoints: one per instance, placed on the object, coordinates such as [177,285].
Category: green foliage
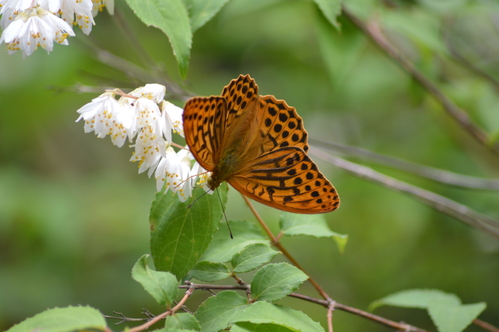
[208,271]
[172,18]
[201,11]
[223,248]
[278,317]
[217,312]
[161,285]
[63,320]
[330,9]
[182,321]
[252,256]
[313,225]
[274,281]
[179,234]
[446,310]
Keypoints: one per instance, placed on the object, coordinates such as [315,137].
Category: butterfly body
[259,146]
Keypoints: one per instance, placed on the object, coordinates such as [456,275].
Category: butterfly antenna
[197,199]
[225,216]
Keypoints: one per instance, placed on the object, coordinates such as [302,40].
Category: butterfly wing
[204,121]
[287,179]
[240,95]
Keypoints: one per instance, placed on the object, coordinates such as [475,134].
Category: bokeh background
[74,211]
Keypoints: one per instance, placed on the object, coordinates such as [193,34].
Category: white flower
[154,92]
[79,11]
[175,174]
[105,116]
[149,148]
[145,118]
[33,28]
[100,4]
[172,117]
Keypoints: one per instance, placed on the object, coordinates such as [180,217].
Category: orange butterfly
[258,145]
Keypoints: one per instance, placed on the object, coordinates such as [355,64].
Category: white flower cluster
[29,24]
[147,121]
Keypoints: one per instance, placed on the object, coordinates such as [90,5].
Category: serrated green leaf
[170,17]
[330,9]
[163,286]
[310,224]
[252,256]
[216,312]
[451,317]
[201,11]
[274,281]
[209,271]
[414,298]
[180,235]
[250,327]
[223,248]
[445,309]
[63,320]
[182,321]
[262,312]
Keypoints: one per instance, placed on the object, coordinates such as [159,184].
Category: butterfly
[259,146]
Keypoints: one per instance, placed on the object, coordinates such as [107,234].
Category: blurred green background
[74,211]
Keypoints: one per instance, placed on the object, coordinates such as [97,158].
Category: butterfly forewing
[204,128]
[289,180]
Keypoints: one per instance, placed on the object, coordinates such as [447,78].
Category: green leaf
[274,281]
[180,235]
[252,256]
[203,10]
[217,311]
[223,248]
[262,312]
[63,320]
[414,298]
[445,309]
[310,224]
[182,321]
[163,286]
[250,327]
[170,17]
[209,271]
[330,9]
[450,316]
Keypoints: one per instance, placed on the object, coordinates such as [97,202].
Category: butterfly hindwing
[287,179]
[204,126]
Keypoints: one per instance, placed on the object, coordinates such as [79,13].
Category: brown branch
[159,317]
[485,325]
[435,174]
[373,31]
[438,202]
[281,248]
[331,305]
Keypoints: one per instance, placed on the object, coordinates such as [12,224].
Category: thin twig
[279,246]
[438,202]
[330,310]
[373,31]
[485,325]
[432,173]
[163,315]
